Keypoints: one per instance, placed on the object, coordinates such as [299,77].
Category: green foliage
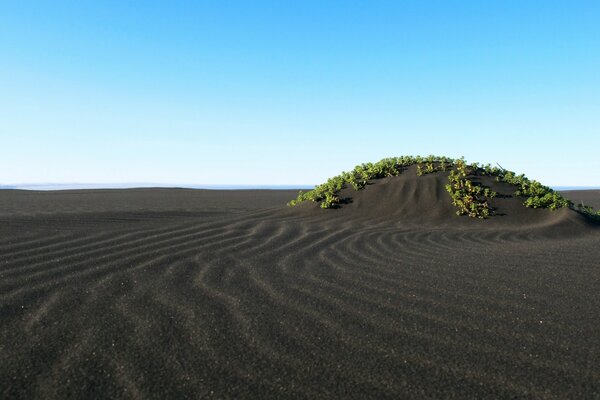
[330,200]
[589,211]
[359,177]
[434,164]
[471,199]
[538,195]
[488,170]
[550,200]
[324,193]
[443,165]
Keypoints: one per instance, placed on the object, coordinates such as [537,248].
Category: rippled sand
[160,293]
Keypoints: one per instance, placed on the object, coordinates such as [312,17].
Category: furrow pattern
[267,305]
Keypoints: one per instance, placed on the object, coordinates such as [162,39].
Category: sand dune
[160,293]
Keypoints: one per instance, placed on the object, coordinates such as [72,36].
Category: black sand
[158,293]
[587,197]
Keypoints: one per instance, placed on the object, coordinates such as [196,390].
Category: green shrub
[359,177]
[471,199]
[589,211]
[550,200]
[538,195]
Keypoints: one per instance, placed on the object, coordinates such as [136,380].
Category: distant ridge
[75,186]
[134,185]
[561,188]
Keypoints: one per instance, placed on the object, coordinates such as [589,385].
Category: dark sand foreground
[166,293]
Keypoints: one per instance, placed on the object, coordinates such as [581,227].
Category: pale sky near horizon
[293,92]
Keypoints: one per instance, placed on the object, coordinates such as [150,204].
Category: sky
[293,92]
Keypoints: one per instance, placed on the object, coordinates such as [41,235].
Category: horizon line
[49,186]
[135,185]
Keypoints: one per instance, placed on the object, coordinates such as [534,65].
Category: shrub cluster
[589,211]
[327,193]
[470,198]
[434,165]
[538,195]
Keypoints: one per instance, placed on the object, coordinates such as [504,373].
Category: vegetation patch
[589,212]
[538,195]
[327,193]
[471,198]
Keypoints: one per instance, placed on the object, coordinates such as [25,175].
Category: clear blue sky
[292,92]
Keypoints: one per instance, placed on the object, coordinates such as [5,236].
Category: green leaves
[538,195]
[589,211]
[359,177]
[471,199]
[550,200]
[330,201]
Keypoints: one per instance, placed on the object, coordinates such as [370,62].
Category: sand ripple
[266,306]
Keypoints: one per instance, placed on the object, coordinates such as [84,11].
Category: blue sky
[292,92]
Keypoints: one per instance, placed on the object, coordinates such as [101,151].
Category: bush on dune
[589,211]
[471,198]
